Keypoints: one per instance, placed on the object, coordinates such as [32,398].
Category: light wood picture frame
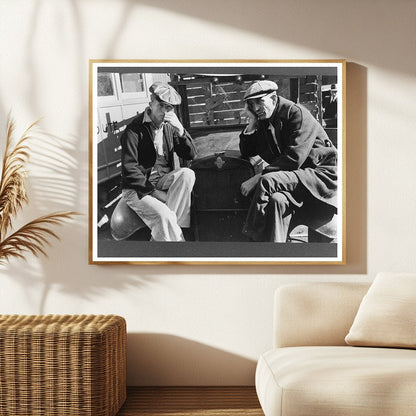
[213,112]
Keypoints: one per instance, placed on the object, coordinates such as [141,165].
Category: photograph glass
[225,162]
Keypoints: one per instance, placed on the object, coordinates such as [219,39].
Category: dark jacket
[138,154]
[302,146]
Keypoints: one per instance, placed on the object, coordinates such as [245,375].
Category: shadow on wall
[161,359]
[57,159]
[66,171]
[363,29]
[60,177]
[356,168]
[338,28]
[52,186]
[60,182]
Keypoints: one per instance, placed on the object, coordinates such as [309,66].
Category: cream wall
[204,324]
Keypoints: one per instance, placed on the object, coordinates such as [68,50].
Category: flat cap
[259,89]
[165,93]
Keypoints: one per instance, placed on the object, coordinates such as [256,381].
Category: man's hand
[247,186]
[252,119]
[172,119]
[160,195]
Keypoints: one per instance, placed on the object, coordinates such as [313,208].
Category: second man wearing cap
[153,185]
[302,164]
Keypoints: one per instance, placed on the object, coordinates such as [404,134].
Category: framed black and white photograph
[205,162]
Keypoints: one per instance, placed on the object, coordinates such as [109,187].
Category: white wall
[204,324]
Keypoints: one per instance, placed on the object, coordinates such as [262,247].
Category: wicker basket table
[52,365]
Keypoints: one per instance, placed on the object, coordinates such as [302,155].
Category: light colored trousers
[166,219]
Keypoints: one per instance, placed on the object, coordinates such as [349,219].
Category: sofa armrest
[308,314]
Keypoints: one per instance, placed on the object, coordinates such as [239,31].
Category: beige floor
[191,401]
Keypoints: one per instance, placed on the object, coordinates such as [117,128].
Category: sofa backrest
[308,314]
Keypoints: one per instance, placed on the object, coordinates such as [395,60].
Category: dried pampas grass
[34,236]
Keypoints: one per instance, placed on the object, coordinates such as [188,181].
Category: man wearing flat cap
[154,187]
[302,164]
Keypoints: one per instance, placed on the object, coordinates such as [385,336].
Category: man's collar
[146,116]
[271,119]
[148,119]
[276,110]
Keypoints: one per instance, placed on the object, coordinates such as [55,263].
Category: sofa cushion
[387,314]
[315,314]
[304,381]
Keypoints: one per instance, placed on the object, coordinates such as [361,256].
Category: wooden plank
[218,123]
[232,95]
[230,88]
[225,105]
[191,401]
[207,89]
[197,90]
[217,115]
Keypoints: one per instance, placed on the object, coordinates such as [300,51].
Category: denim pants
[166,219]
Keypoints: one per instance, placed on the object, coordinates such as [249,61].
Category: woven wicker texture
[54,365]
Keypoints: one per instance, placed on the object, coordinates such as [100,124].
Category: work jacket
[138,153]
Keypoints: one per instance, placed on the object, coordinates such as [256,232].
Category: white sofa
[311,371]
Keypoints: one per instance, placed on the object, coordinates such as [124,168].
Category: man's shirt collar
[147,119]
